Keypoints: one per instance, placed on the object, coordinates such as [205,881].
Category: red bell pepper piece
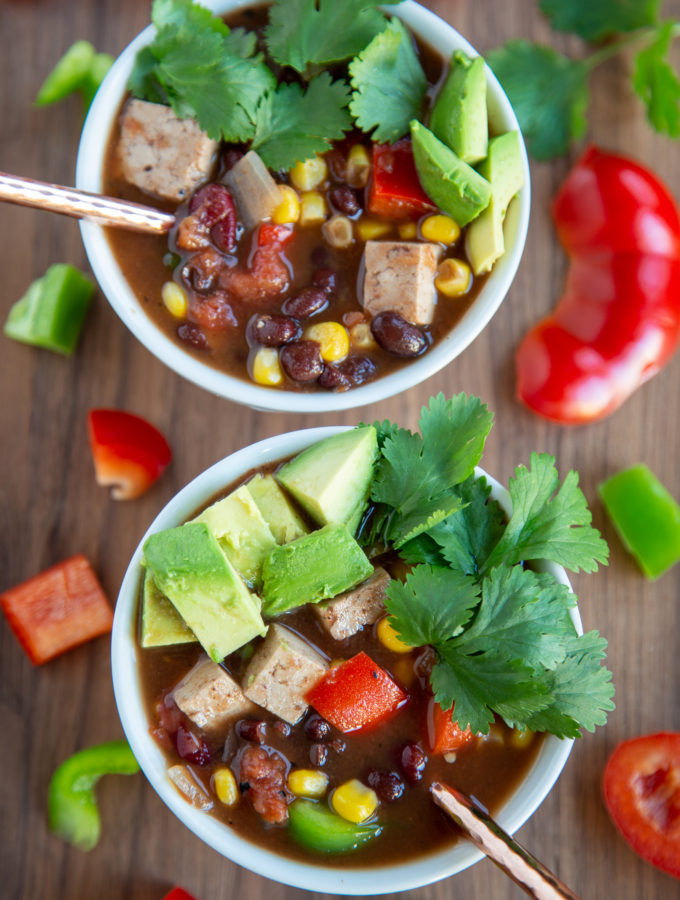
[618,321]
[395,191]
[356,694]
[178,893]
[129,453]
[273,234]
[445,735]
[60,608]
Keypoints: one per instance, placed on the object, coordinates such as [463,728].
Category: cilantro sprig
[549,91]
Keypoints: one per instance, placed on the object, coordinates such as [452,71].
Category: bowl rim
[94,139]
[367,881]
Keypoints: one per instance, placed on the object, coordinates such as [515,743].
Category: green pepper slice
[316,827]
[72,806]
[68,75]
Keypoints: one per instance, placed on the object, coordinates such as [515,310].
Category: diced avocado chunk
[484,242]
[242,533]
[315,826]
[331,480]
[161,623]
[315,567]
[456,188]
[190,568]
[459,117]
[276,509]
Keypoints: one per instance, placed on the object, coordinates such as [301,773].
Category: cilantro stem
[645,35]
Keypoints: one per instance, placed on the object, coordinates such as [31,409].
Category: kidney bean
[397,336]
[309,301]
[253,730]
[413,762]
[333,379]
[201,270]
[317,728]
[324,277]
[191,334]
[302,361]
[351,372]
[318,754]
[387,785]
[230,157]
[191,748]
[283,728]
[337,163]
[213,208]
[272,331]
[345,200]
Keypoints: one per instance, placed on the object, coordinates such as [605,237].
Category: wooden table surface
[50,506]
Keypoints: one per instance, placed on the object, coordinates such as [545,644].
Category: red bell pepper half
[395,191]
[356,694]
[129,453]
[444,734]
[60,608]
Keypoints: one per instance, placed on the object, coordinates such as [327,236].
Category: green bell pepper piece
[98,70]
[317,828]
[646,517]
[52,311]
[81,68]
[72,806]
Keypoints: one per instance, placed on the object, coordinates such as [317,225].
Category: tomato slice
[642,792]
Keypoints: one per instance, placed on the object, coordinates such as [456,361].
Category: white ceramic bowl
[100,120]
[347,880]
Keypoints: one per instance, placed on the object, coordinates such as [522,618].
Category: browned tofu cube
[399,276]
[210,697]
[281,672]
[254,190]
[161,154]
[347,613]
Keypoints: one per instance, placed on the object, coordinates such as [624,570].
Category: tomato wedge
[642,791]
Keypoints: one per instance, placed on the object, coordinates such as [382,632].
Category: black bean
[317,728]
[253,730]
[387,785]
[413,762]
[318,755]
[272,331]
[302,361]
[230,157]
[192,334]
[333,379]
[345,200]
[351,372]
[309,301]
[283,728]
[338,745]
[397,336]
[324,277]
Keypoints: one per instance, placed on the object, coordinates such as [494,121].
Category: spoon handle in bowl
[518,863]
[83,205]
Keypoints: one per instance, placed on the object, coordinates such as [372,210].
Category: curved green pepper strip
[81,68]
[72,805]
[316,827]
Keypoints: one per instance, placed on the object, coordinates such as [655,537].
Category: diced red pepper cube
[444,734]
[58,609]
[356,694]
[395,190]
[268,234]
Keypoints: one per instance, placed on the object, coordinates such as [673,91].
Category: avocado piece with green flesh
[484,242]
[456,188]
[242,533]
[315,567]
[331,480]
[276,509]
[459,116]
[190,568]
[161,623]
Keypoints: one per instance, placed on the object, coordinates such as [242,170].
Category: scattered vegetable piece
[73,812]
[81,68]
[642,792]
[178,893]
[646,517]
[316,827]
[129,453]
[394,190]
[60,608]
[52,311]
[354,801]
[444,734]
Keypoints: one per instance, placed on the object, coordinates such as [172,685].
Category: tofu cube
[347,613]
[399,276]
[210,697]
[281,673]
[161,154]
[255,192]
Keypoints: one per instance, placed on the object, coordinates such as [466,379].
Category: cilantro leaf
[422,549]
[241,42]
[304,33]
[549,93]
[543,526]
[656,82]
[186,13]
[595,21]
[293,124]
[389,84]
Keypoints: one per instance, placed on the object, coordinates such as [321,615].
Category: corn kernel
[225,786]
[307,782]
[174,299]
[266,367]
[362,336]
[358,167]
[408,231]
[440,229]
[309,173]
[521,738]
[332,338]
[313,208]
[338,232]
[370,229]
[354,801]
[389,638]
[453,277]
[402,669]
[288,210]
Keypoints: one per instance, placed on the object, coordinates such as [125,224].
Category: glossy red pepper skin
[618,320]
[395,191]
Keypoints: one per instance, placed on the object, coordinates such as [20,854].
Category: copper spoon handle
[486,834]
[83,205]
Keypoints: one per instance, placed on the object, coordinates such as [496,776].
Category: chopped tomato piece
[273,234]
[356,694]
[129,453]
[642,792]
[395,191]
[445,735]
[58,609]
[178,893]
